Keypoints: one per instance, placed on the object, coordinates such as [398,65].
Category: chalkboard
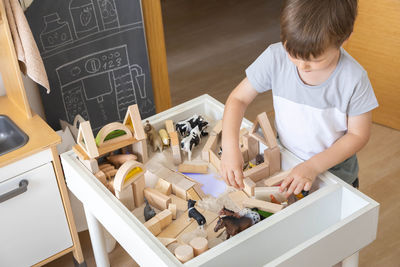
[95,56]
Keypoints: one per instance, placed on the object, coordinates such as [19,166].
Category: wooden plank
[176,227]
[215,161]
[209,145]
[172,207]
[165,218]
[273,157]
[154,225]
[169,125]
[107,148]
[252,145]
[192,194]
[193,168]
[269,134]
[277,179]
[249,186]
[181,204]
[163,186]
[262,205]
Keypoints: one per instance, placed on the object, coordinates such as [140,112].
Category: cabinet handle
[23,187]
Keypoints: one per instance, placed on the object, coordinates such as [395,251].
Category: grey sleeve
[259,72]
[363,98]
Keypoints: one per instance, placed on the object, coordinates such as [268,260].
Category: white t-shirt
[309,119]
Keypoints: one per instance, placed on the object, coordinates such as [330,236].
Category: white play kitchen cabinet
[33,225]
[332,223]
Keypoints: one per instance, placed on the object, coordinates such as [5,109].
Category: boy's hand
[232,167]
[300,178]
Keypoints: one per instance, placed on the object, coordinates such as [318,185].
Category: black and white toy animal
[191,141]
[185,126]
[195,214]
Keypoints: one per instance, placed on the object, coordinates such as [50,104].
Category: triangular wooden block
[134,122]
[86,140]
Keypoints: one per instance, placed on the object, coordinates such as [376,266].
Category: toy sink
[330,224]
[11,136]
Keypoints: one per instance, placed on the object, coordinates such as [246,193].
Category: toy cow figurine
[184,127]
[191,141]
[195,214]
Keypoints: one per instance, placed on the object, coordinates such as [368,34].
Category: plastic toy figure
[153,137]
[195,214]
[148,211]
[233,225]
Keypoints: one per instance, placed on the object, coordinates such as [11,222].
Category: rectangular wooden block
[137,122]
[138,187]
[126,197]
[169,125]
[140,150]
[273,156]
[258,172]
[154,225]
[215,161]
[174,138]
[249,186]
[210,144]
[199,191]
[180,188]
[193,168]
[245,154]
[173,209]
[269,135]
[181,204]
[163,186]
[165,218]
[262,205]
[252,145]
[217,128]
[238,197]
[156,198]
[277,179]
[192,194]
[176,227]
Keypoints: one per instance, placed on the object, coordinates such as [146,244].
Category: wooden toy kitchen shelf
[331,223]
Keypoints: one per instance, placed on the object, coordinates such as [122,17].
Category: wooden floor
[209,45]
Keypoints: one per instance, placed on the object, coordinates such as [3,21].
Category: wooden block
[86,140]
[277,179]
[111,173]
[157,199]
[138,187]
[266,128]
[173,209]
[163,186]
[133,119]
[184,253]
[217,128]
[193,168]
[126,197]
[105,166]
[154,225]
[199,191]
[242,133]
[273,156]
[176,227]
[180,188]
[191,194]
[211,144]
[252,145]
[107,169]
[118,160]
[215,161]
[245,154]
[262,205]
[80,153]
[181,204]
[238,197]
[249,186]
[199,245]
[264,193]
[165,218]
[92,165]
[102,177]
[169,125]
[140,149]
[182,237]
[166,241]
[174,138]
[127,173]
[258,172]
[109,128]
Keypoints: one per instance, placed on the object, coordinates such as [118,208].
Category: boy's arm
[231,160]
[304,174]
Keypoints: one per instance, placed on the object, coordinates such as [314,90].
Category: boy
[322,97]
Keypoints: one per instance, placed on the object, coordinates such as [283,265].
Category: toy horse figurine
[195,214]
[233,225]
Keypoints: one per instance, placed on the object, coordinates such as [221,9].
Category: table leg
[97,239]
[351,261]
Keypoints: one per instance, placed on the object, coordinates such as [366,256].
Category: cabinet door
[33,225]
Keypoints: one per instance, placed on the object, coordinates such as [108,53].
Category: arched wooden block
[108,129]
[127,173]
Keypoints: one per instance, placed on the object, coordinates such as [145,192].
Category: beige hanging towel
[31,63]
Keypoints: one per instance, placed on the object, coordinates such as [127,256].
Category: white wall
[32,92]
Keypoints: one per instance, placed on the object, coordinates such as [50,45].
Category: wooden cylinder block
[184,253]
[199,245]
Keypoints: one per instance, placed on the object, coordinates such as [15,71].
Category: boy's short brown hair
[308,27]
